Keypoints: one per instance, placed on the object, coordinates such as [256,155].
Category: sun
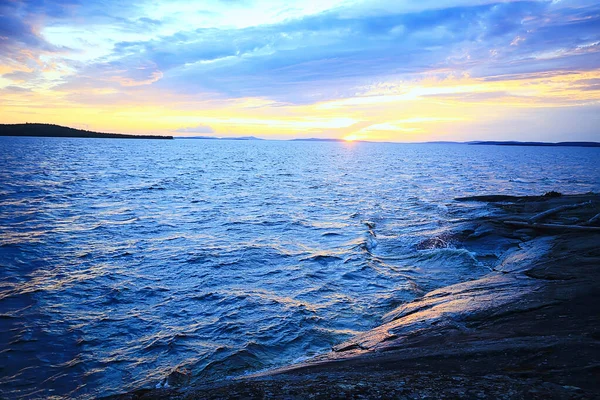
[351,138]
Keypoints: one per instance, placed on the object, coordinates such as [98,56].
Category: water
[122,260]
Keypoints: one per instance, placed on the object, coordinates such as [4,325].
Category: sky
[380,70]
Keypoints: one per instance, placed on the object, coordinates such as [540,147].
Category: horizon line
[318,139]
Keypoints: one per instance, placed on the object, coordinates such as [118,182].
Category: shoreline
[528,329]
[57,131]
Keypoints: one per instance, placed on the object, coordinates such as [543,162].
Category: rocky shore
[530,329]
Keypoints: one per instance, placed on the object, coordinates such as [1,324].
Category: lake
[123,260]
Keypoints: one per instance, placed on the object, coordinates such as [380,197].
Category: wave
[221,258]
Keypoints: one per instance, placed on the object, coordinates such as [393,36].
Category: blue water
[122,260]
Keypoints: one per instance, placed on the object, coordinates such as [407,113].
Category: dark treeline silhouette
[543,144]
[49,130]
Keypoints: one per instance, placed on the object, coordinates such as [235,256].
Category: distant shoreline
[49,130]
[334,140]
[536,144]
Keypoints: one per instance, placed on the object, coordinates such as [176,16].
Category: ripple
[127,265]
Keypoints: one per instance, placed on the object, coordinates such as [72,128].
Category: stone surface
[530,329]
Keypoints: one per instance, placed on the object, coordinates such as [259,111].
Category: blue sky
[374,70]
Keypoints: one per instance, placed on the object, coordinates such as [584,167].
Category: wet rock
[527,330]
[178,377]
[552,194]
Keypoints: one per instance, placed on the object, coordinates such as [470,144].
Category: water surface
[122,260]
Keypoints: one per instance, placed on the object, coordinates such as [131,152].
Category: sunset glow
[390,71]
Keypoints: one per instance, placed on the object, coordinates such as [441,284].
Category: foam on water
[122,261]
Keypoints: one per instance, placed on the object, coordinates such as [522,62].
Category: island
[220,138]
[50,130]
[535,144]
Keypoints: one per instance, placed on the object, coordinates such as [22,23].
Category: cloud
[336,57]
[320,56]
[327,55]
[196,129]
[22,48]
[15,89]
